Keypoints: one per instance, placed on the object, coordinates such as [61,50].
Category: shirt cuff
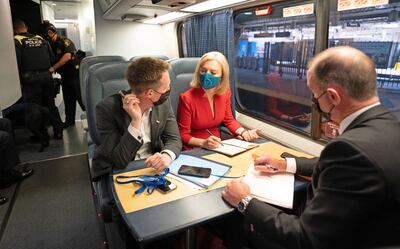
[291,166]
[135,133]
[170,153]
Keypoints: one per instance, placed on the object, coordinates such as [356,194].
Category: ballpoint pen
[209,132]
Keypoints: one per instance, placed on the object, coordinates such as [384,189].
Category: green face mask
[209,81]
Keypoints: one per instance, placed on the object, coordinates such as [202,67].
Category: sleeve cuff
[170,153]
[291,166]
[135,133]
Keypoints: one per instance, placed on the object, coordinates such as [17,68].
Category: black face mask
[326,115]
[163,98]
[48,37]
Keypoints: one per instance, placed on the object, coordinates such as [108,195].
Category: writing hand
[211,142]
[269,165]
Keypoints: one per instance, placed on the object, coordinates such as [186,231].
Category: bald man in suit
[354,197]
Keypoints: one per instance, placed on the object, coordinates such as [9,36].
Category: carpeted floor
[53,209]
[73,143]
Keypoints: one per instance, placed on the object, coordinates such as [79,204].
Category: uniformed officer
[64,50]
[34,57]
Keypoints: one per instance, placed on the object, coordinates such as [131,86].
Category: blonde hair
[220,58]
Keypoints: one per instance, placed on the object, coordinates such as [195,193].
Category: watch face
[241,206]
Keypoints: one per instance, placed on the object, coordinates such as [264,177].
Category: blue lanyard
[147,181]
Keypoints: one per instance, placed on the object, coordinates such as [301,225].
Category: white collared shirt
[347,120]
[291,162]
[144,135]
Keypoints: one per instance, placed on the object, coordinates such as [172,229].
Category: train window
[376,31]
[273,45]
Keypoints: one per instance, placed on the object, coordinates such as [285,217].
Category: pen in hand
[209,132]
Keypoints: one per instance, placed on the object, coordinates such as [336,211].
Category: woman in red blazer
[207,104]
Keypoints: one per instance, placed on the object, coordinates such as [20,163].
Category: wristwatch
[242,205]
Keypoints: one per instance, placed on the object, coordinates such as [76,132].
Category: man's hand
[235,191]
[269,165]
[130,103]
[51,70]
[211,142]
[158,161]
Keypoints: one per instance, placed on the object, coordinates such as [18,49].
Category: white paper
[275,189]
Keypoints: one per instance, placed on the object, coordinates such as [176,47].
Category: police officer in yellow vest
[34,57]
[64,50]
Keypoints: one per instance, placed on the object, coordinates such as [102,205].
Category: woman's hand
[250,135]
[211,142]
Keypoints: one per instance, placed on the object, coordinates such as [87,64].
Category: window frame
[320,43]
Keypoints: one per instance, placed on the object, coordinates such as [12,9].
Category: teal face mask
[209,81]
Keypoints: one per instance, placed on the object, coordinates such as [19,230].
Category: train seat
[104,80]
[162,57]
[85,65]
[181,74]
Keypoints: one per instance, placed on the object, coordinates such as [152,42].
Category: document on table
[233,146]
[275,189]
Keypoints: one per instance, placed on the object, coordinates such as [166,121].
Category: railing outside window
[272,53]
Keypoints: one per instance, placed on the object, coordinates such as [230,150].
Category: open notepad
[233,146]
[217,169]
[275,189]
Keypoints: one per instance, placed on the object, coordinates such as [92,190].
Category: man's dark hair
[46,26]
[19,24]
[145,73]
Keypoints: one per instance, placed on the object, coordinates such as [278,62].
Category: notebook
[233,146]
[217,169]
[275,189]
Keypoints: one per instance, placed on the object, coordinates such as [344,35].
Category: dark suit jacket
[118,147]
[354,198]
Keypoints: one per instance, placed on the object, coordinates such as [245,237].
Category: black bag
[78,57]
[57,84]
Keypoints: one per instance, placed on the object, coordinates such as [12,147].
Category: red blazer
[195,116]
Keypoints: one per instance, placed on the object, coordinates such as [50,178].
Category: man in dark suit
[354,197]
[138,124]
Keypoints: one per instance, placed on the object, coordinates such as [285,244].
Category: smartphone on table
[167,187]
[194,171]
